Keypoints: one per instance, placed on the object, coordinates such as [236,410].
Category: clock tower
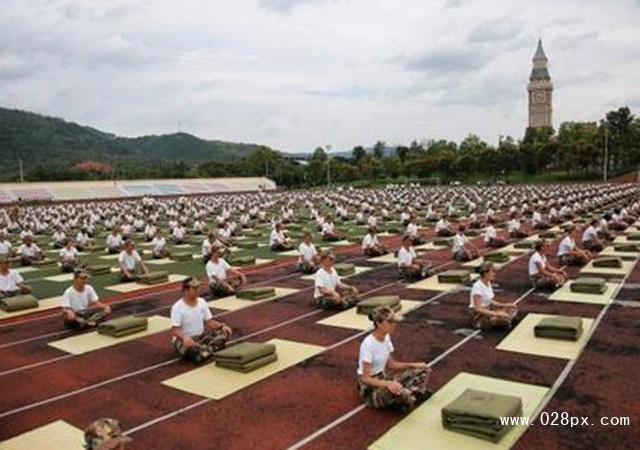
[540,91]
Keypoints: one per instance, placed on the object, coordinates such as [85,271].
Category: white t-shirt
[114,241]
[217,270]
[536,258]
[406,257]
[158,243]
[514,225]
[459,241]
[484,291]
[328,228]
[441,225]
[412,229]
[129,260]
[68,254]
[79,301]
[376,353]
[490,233]
[10,281]
[589,234]
[276,238]
[325,279]
[307,252]
[206,247]
[566,246]
[32,252]
[5,248]
[369,241]
[190,319]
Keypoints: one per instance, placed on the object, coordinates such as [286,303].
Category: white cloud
[298,74]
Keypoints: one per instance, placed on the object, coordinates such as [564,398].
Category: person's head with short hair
[385,318]
[4,263]
[308,238]
[114,231]
[80,277]
[540,245]
[490,221]
[214,253]
[487,271]
[461,228]
[105,434]
[594,222]
[406,241]
[128,246]
[569,229]
[327,259]
[190,287]
[28,240]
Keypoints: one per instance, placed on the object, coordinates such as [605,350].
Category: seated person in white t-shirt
[59,238]
[491,238]
[150,231]
[568,252]
[413,232]
[81,307]
[11,282]
[370,244]
[515,228]
[114,242]
[29,252]
[6,250]
[329,290]
[223,279]
[537,223]
[196,336]
[278,242]
[474,222]
[462,249]
[382,380]
[309,258]
[329,232]
[179,235]
[544,276]
[443,228]
[68,256]
[485,312]
[410,266]
[131,265]
[83,240]
[159,248]
[199,227]
[590,240]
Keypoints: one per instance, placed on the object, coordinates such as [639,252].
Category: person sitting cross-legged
[69,256]
[568,252]
[29,252]
[114,242]
[330,292]
[309,258]
[159,248]
[81,307]
[410,266]
[371,245]
[590,239]
[196,334]
[485,312]
[462,249]
[491,238]
[11,282]
[278,242]
[544,276]
[413,231]
[131,263]
[223,279]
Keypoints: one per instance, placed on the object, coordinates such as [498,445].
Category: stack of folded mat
[246,356]
[181,256]
[497,257]
[247,244]
[472,233]
[345,269]
[479,414]
[588,285]
[443,242]
[254,233]
[123,326]
[560,327]
[524,244]
[625,247]
[242,260]
[256,293]
[454,276]
[18,303]
[609,262]
[633,237]
[393,230]
[367,306]
[568,226]
[99,269]
[154,277]
[549,234]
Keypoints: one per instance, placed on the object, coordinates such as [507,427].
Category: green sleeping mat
[242,260]
[609,262]
[245,352]
[154,277]
[249,366]
[549,234]
[345,269]
[247,244]
[567,226]
[253,233]
[625,247]
[564,328]
[472,233]
[18,303]
[478,413]
[256,293]
[123,326]
[181,256]
[443,242]
[497,257]
[369,305]
[99,269]
[454,276]
[588,285]
[524,244]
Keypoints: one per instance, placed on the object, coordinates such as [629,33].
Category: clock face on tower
[539,97]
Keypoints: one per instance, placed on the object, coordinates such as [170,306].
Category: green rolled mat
[253,233]
[345,269]
[443,242]
[245,352]
[247,244]
[625,247]
[256,293]
[242,260]
[181,256]
[564,328]
[154,277]
[524,244]
[633,237]
[497,257]
[567,226]
[393,230]
[367,306]
[609,262]
[18,303]
[472,233]
[588,285]
[99,269]
[293,226]
[454,276]
[45,262]
[249,366]
[479,414]
[580,220]
[123,326]
[548,234]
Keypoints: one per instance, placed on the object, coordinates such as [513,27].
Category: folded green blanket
[588,286]
[181,256]
[253,233]
[472,233]
[345,269]
[393,230]
[625,247]
[99,269]
[369,305]
[565,328]
[454,276]
[256,293]
[477,413]
[443,242]
[524,244]
[242,260]
[247,244]
[497,257]
[154,277]
[18,303]
[548,234]
[245,352]
[249,366]
[610,262]
[633,237]
[123,326]
[567,226]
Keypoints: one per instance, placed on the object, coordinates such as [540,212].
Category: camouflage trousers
[486,322]
[306,267]
[328,302]
[418,240]
[206,345]
[69,266]
[572,260]
[375,251]
[414,382]
[445,232]
[82,318]
[415,273]
[496,243]
[220,290]
[543,283]
[464,256]
[592,246]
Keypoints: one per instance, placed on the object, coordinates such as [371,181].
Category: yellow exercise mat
[25,269]
[60,278]
[159,262]
[535,237]
[611,252]
[43,305]
[56,435]
[522,340]
[478,262]
[564,294]
[431,246]
[359,270]
[110,257]
[512,250]
[432,284]
[289,253]
[216,383]
[625,269]
[337,243]
[351,319]
[233,303]
[422,429]
[622,239]
[388,258]
[89,342]
[262,261]
[133,286]
[183,245]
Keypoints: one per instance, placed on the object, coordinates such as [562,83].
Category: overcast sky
[295,74]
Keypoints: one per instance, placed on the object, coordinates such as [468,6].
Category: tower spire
[540,56]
